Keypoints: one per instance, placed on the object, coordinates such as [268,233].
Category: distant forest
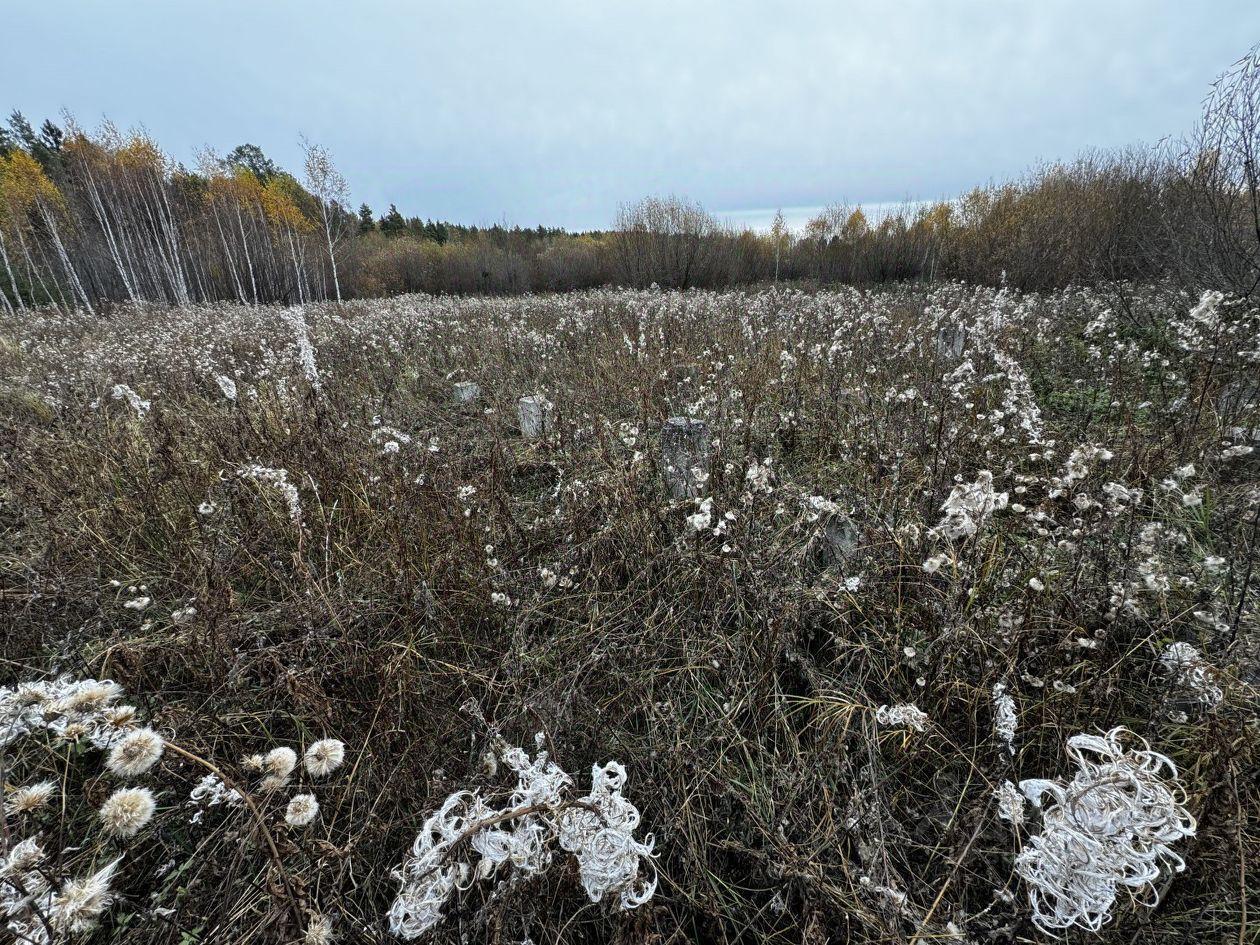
[90,219]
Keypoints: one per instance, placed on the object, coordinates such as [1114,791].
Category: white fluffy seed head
[324,757]
[24,856]
[29,798]
[302,809]
[135,753]
[319,931]
[80,903]
[280,762]
[273,782]
[126,812]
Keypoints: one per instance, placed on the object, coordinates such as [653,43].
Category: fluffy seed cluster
[81,902]
[38,902]
[319,931]
[134,400]
[25,892]
[278,480]
[1111,826]
[1011,803]
[970,506]
[126,812]
[324,757]
[30,798]
[276,767]
[1005,718]
[135,753]
[67,709]
[302,809]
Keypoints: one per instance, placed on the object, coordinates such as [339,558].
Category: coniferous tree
[252,158]
[392,224]
[51,136]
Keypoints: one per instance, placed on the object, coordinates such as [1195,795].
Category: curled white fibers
[1110,826]
[469,839]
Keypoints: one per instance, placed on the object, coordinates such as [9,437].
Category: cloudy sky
[556,112]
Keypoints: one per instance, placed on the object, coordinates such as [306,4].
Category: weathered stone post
[1239,404]
[466,392]
[1238,398]
[843,538]
[535,412]
[950,341]
[685,456]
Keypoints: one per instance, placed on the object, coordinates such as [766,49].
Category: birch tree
[31,191]
[328,187]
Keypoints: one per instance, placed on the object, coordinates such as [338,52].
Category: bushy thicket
[938,535]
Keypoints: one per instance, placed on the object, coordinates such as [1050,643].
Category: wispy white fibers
[468,839]
[134,400]
[81,902]
[1110,826]
[1011,803]
[1186,668]
[1005,719]
[226,385]
[600,833]
[277,479]
[306,351]
[29,798]
[970,505]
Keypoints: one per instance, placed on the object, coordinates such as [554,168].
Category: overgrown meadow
[934,619]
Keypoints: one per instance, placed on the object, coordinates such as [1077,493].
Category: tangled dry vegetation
[943,626]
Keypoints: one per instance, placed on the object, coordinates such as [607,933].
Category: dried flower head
[280,762]
[29,798]
[970,505]
[24,856]
[127,811]
[302,809]
[80,903]
[135,753]
[324,757]
[1187,669]
[319,931]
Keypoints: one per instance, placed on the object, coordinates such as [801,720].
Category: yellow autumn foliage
[23,183]
[281,208]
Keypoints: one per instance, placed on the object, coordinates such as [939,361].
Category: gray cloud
[557,112]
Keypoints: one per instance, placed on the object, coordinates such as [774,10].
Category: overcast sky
[556,112]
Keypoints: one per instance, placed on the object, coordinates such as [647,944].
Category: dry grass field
[824,651]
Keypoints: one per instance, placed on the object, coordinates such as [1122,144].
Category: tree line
[88,219]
